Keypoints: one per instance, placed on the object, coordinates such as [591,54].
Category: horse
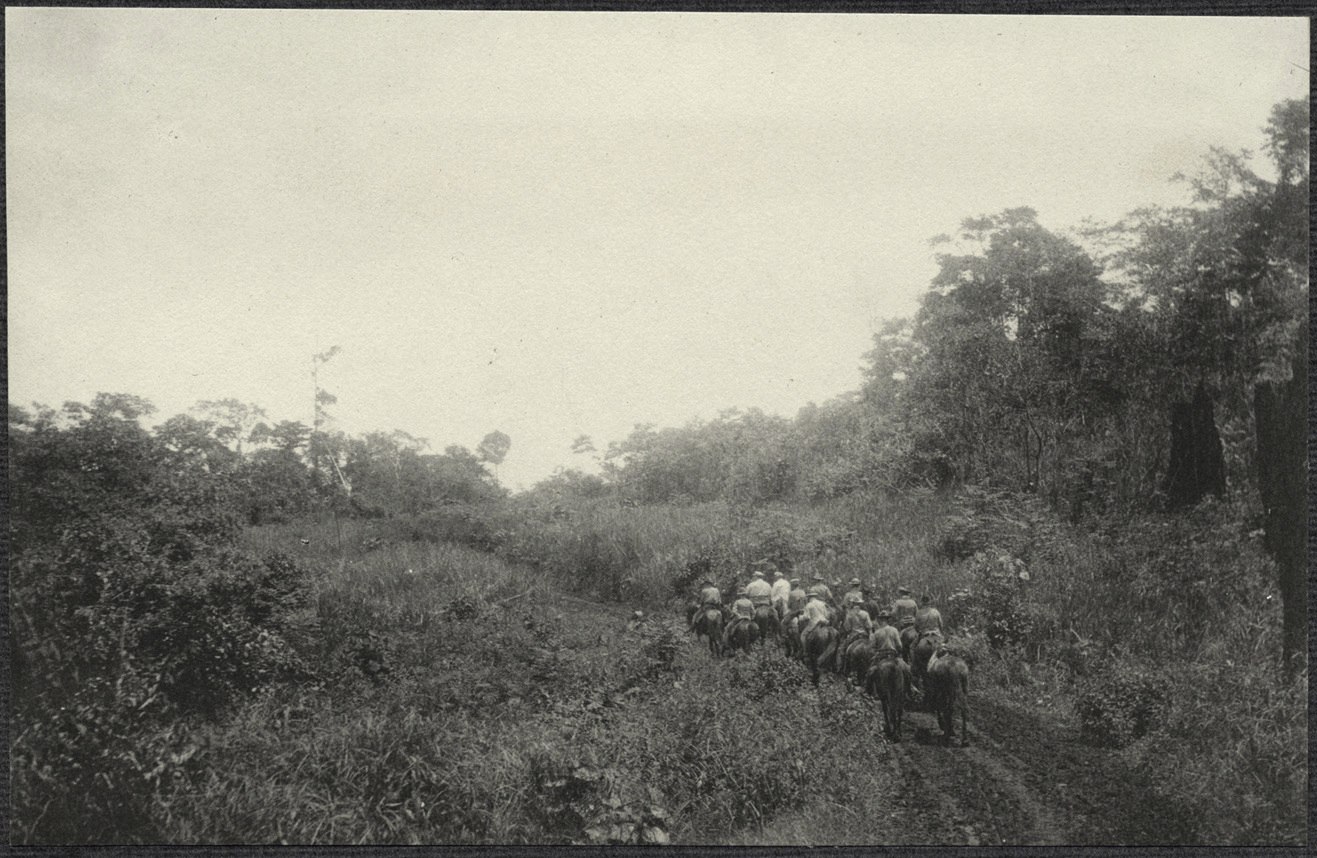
[820,646]
[909,634]
[740,634]
[853,656]
[889,677]
[948,693]
[927,644]
[709,623]
[791,634]
[769,625]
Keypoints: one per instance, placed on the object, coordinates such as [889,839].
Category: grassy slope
[460,699]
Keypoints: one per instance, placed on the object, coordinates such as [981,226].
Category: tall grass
[1181,599]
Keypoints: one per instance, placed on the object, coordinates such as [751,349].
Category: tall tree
[1227,284]
[493,448]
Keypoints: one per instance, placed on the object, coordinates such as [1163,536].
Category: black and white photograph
[459,427]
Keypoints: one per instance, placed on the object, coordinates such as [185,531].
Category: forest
[231,628]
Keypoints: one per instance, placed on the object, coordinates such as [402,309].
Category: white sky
[556,223]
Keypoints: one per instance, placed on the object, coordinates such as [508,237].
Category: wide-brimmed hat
[757,574]
[817,577]
[883,612]
[904,591]
[795,580]
[855,582]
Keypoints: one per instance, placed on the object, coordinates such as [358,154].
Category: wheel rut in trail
[973,795]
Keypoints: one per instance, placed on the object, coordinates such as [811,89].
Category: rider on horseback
[854,597]
[816,613]
[709,597]
[743,607]
[885,638]
[781,592]
[759,591]
[820,589]
[796,600]
[904,608]
[927,618]
[857,624]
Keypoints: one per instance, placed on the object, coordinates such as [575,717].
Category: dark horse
[709,623]
[948,693]
[740,634]
[791,634]
[927,644]
[854,653]
[820,645]
[909,634]
[889,677]
[766,620]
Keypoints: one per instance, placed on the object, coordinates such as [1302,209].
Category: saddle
[886,653]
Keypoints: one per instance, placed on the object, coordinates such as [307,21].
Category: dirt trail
[1024,779]
[974,795]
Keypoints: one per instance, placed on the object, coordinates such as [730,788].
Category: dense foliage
[1089,449]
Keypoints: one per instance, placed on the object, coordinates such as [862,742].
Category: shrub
[1120,704]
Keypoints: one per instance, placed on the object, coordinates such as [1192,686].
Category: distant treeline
[1133,367]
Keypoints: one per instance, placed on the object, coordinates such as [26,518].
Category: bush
[1119,705]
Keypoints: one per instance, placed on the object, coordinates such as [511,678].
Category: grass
[511,714]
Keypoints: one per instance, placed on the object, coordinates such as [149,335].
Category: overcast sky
[556,224]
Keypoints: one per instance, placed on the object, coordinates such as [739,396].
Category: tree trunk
[1197,466]
[1281,413]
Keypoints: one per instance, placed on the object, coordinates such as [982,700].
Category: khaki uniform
[927,619]
[903,611]
[857,620]
[884,637]
[743,607]
[781,592]
[816,611]
[853,597]
[796,601]
[821,590]
[710,598]
[759,591]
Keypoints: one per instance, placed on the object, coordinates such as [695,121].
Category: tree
[1004,340]
[233,421]
[493,448]
[1226,282]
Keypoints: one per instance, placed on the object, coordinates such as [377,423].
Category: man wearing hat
[818,588]
[903,609]
[856,626]
[885,637]
[759,591]
[854,597]
[797,597]
[816,612]
[781,592]
[709,597]
[927,617]
[743,607]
